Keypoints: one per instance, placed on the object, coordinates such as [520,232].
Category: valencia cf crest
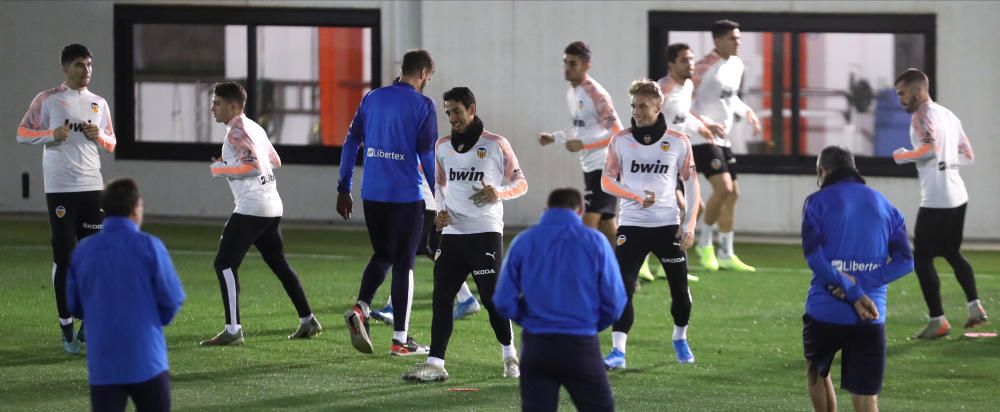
[664,147]
[716,164]
[481,152]
[437,254]
[95,108]
[60,211]
[580,105]
[621,240]
[646,139]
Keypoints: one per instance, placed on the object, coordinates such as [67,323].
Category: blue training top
[849,227]
[122,283]
[398,127]
[560,277]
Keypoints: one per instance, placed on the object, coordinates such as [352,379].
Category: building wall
[509,54]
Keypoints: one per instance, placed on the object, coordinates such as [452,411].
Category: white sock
[233,329]
[938,318]
[618,340]
[306,319]
[972,303]
[680,332]
[365,308]
[508,351]
[65,321]
[399,336]
[704,235]
[726,244]
[464,293]
[435,361]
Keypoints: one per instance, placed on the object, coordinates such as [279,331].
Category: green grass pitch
[745,332]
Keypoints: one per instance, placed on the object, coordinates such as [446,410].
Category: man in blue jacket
[855,243]
[123,282]
[561,283]
[397,125]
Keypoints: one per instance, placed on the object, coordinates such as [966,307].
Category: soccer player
[594,122]
[123,281]
[397,125]
[472,165]
[430,238]
[643,166]
[845,307]
[562,298]
[248,162]
[717,79]
[940,146]
[73,124]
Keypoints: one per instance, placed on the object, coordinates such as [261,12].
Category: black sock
[67,331]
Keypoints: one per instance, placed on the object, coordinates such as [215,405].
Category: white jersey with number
[594,122]
[940,147]
[491,161]
[633,168]
[74,164]
[716,92]
[677,108]
[248,163]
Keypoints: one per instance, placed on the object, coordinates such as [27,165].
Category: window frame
[661,23]
[126,16]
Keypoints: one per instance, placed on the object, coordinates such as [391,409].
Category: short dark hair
[415,61]
[834,158]
[72,52]
[231,92]
[462,95]
[675,50]
[912,76]
[580,49]
[120,197]
[723,27]
[566,198]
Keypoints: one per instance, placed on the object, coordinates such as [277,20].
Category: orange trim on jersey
[921,152]
[107,144]
[234,170]
[600,143]
[965,148]
[603,105]
[613,188]
[667,85]
[28,134]
[519,189]
[703,65]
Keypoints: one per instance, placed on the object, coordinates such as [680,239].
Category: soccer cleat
[735,264]
[683,351]
[426,372]
[693,278]
[307,330]
[511,368]
[615,359]
[224,339]
[977,316]
[70,347]
[357,325]
[468,307]
[644,272]
[707,255]
[383,315]
[82,337]
[936,328]
[409,348]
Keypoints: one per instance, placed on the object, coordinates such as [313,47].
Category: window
[305,71]
[813,80]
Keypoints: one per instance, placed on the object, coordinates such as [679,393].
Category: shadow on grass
[38,356]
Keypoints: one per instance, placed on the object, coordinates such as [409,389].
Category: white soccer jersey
[677,108]
[73,165]
[940,147]
[459,175]
[594,122]
[633,168]
[250,176]
[716,91]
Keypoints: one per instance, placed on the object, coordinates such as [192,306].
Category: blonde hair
[645,87]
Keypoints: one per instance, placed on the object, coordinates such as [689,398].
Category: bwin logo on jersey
[649,167]
[481,272]
[481,152]
[470,175]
